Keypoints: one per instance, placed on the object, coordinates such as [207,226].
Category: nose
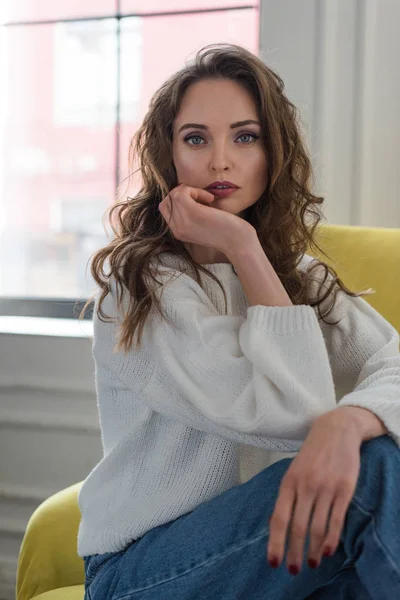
[220,160]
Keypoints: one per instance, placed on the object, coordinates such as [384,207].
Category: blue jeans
[218,551]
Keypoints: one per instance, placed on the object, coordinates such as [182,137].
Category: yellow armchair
[49,567]
[365,257]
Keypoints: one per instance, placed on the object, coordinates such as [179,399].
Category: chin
[217,204]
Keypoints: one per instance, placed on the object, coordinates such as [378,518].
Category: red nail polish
[293,569]
[274,562]
[328,551]
[312,563]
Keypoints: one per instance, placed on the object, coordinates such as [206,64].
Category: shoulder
[318,270]
[306,261]
[168,282]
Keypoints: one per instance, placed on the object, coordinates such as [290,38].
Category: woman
[234,358]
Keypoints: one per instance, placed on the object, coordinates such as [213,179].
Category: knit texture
[211,399]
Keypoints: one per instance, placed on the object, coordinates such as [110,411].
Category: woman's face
[215,148]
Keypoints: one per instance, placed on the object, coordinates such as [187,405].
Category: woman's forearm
[262,286]
[367,423]
[259,280]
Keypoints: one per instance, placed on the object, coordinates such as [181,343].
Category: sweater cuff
[283,320]
[387,413]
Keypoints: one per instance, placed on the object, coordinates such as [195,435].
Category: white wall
[340,62]
[49,429]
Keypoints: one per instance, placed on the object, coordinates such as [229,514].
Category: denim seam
[377,537]
[92,577]
[200,565]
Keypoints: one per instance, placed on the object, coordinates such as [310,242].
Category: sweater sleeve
[267,374]
[365,357]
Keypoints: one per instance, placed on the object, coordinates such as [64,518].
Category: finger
[201,195]
[298,530]
[279,522]
[336,522]
[319,527]
[165,207]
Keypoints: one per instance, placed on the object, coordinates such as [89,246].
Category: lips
[214,185]
[222,193]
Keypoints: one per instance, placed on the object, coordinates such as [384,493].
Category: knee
[382,447]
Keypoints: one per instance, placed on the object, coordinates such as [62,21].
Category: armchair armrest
[48,557]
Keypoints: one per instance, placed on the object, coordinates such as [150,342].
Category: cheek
[186,164]
[258,168]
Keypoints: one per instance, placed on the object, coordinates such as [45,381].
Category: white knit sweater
[207,403]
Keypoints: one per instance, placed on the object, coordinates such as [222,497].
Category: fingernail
[312,563]
[274,562]
[328,551]
[293,569]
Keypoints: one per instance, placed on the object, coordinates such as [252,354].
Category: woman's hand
[193,220]
[323,476]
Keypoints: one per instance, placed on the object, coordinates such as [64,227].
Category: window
[76,79]
[15,11]
[59,140]
[159,6]
[85,73]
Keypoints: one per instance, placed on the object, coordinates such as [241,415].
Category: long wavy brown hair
[285,216]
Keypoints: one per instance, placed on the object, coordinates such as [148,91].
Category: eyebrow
[233,126]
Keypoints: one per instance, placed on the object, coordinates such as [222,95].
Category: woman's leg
[345,585]
[219,549]
[371,535]
[216,551]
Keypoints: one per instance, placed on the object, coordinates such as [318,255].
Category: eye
[252,135]
[198,137]
[191,137]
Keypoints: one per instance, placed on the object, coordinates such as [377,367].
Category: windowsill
[41,326]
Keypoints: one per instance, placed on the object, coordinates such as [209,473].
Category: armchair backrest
[365,257]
